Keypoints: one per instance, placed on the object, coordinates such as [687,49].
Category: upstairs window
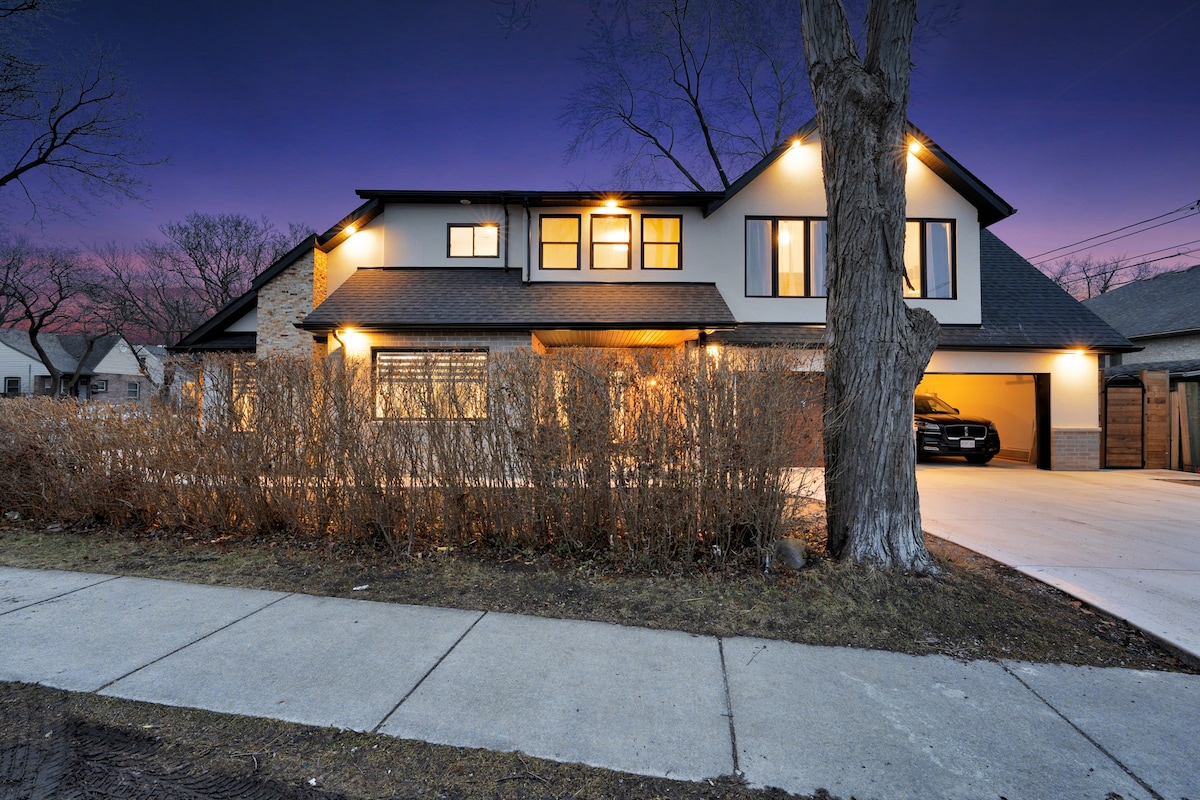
[662,242]
[785,257]
[610,241]
[929,263]
[474,241]
[559,241]
[431,384]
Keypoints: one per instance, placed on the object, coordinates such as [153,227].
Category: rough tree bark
[878,347]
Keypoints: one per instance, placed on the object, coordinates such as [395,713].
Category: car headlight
[991,427]
[928,427]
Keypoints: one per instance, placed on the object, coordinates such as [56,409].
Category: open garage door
[1019,405]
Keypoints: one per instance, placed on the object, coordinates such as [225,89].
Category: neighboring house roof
[64,350]
[1183,368]
[459,298]
[1022,309]
[1165,305]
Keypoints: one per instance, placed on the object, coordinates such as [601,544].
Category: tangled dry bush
[646,457]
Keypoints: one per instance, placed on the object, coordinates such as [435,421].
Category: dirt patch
[59,744]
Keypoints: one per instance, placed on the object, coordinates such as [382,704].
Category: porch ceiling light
[915,147]
[610,203]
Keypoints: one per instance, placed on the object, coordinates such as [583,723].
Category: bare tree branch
[67,130]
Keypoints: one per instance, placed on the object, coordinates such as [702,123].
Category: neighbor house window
[133,390]
[929,264]
[12,386]
[785,257]
[662,242]
[99,387]
[431,384]
[610,241]
[473,241]
[560,241]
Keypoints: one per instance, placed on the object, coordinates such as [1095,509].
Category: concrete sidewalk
[1125,541]
[859,723]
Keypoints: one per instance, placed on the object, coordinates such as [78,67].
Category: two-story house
[454,275]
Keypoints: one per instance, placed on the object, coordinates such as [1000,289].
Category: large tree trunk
[878,347]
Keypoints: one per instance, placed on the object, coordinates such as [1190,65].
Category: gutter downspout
[528,240]
[507,236]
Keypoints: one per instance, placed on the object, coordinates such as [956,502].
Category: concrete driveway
[1126,541]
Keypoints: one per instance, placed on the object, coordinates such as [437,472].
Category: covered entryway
[1018,404]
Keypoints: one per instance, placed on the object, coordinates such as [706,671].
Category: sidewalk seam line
[109,579]
[1082,733]
[429,672]
[211,633]
[728,707]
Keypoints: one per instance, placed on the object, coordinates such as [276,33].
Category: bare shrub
[646,457]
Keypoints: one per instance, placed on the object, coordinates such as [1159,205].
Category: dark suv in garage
[942,431]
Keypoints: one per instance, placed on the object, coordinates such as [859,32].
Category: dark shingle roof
[64,350]
[463,298]
[1022,309]
[1165,304]
[1182,368]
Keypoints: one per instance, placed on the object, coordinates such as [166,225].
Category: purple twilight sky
[1084,114]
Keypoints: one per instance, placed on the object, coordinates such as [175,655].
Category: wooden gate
[1124,422]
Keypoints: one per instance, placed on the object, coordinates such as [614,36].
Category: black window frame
[474,226]
[542,241]
[678,245]
[807,249]
[628,241]
[8,391]
[924,222]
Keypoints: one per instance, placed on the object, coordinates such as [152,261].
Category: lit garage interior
[1009,401]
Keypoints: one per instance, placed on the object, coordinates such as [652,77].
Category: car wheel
[981,458]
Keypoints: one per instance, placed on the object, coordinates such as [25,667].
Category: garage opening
[1019,405]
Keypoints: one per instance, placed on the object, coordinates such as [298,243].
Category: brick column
[1075,449]
[287,299]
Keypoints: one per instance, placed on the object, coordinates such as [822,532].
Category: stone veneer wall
[288,299]
[1075,449]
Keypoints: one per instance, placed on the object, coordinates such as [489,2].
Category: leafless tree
[877,346]
[68,130]
[1084,277]
[51,291]
[205,261]
[693,91]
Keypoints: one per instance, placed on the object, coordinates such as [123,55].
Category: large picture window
[785,257]
[662,242]
[559,241]
[610,241]
[929,263]
[431,384]
[473,241]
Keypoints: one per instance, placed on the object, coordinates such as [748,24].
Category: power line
[1064,281]
[1193,206]
[1195,211]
